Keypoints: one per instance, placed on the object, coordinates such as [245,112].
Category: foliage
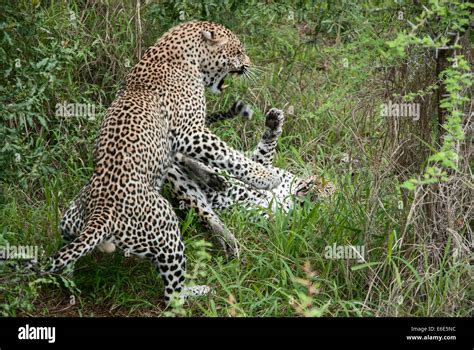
[448,18]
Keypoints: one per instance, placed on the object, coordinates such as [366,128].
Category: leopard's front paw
[274,121]
[230,246]
[194,291]
[242,109]
[21,266]
[217,183]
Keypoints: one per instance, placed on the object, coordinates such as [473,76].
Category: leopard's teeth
[224,86]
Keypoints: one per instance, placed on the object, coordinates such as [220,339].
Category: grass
[329,91]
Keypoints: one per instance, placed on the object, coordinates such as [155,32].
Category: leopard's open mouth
[239,71]
[221,84]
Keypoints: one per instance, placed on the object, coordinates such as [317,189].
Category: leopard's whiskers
[258,69]
[248,74]
[254,74]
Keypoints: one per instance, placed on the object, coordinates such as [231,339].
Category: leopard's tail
[98,229]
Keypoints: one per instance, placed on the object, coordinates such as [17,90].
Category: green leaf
[409,185]
[391,239]
[363,266]
[42,63]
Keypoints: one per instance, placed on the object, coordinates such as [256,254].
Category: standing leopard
[159,117]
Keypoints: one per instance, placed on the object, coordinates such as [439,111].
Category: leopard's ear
[211,41]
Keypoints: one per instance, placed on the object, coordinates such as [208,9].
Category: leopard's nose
[246,61]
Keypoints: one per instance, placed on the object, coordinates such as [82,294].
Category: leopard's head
[223,54]
[314,188]
[211,49]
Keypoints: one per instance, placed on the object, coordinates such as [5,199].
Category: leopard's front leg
[200,172]
[200,143]
[265,151]
[238,109]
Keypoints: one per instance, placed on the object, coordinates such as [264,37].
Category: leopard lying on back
[291,191]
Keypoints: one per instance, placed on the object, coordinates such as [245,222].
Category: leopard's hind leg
[154,233]
[190,195]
